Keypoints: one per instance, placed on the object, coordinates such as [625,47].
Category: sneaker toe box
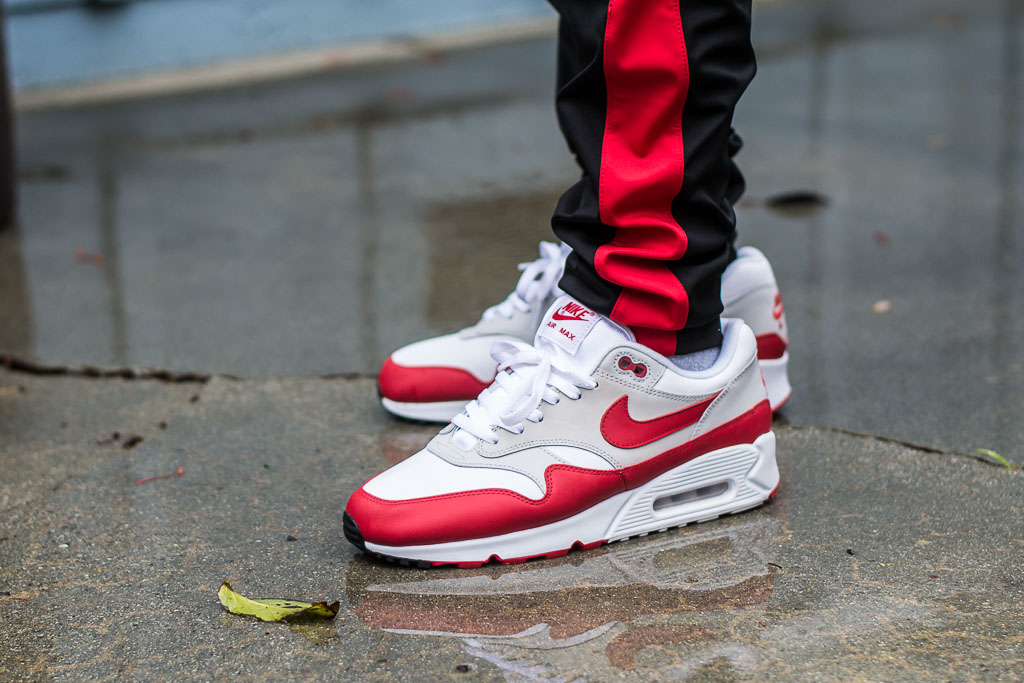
[447,368]
[426,500]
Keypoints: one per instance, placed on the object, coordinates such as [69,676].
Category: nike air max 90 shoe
[750,293]
[432,379]
[584,438]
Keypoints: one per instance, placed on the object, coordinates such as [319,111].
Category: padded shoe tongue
[578,335]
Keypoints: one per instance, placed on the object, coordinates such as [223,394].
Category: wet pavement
[908,571]
[292,234]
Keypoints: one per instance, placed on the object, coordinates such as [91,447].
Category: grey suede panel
[741,394]
[578,423]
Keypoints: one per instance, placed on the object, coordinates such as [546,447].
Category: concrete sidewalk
[875,561]
[245,244]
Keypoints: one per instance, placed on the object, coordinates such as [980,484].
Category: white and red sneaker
[584,438]
[750,293]
[432,379]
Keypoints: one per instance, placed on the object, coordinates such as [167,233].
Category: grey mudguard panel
[530,462]
[577,423]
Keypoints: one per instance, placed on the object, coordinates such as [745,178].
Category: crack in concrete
[30,367]
[348,375]
[15,364]
[881,438]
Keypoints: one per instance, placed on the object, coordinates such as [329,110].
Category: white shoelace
[537,281]
[527,376]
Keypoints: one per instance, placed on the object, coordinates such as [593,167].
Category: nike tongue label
[568,325]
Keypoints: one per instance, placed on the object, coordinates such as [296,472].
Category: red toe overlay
[427,384]
[481,513]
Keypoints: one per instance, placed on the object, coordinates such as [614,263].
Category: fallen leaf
[883,306]
[995,456]
[82,256]
[177,473]
[274,609]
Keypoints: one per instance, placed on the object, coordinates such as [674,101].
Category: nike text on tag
[568,325]
[572,311]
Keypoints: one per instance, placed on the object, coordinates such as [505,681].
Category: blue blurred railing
[72,42]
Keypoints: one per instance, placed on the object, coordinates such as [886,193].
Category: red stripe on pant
[642,163]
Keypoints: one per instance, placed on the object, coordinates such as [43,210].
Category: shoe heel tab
[738,340]
[739,348]
[750,271]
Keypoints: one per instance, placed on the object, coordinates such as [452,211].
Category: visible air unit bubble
[691,495]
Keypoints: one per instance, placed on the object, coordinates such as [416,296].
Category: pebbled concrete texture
[909,570]
[244,244]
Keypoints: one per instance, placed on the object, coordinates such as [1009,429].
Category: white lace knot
[527,376]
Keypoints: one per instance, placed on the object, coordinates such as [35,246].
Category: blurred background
[75,42]
[297,188]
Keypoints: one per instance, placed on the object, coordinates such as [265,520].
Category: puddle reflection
[619,599]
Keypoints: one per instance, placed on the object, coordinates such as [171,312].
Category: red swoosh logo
[579,316]
[622,431]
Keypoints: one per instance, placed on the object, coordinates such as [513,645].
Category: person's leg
[590,434]
[737,183]
[431,379]
[645,100]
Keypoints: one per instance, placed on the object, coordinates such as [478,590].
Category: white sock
[698,360]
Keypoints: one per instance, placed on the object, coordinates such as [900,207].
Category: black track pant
[646,93]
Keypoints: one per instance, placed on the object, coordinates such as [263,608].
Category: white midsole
[441,411]
[776,379]
[749,472]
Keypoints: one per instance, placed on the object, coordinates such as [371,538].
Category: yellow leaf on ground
[273,610]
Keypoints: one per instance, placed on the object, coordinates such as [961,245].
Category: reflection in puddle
[617,600]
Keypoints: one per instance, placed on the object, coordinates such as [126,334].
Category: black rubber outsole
[352,533]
